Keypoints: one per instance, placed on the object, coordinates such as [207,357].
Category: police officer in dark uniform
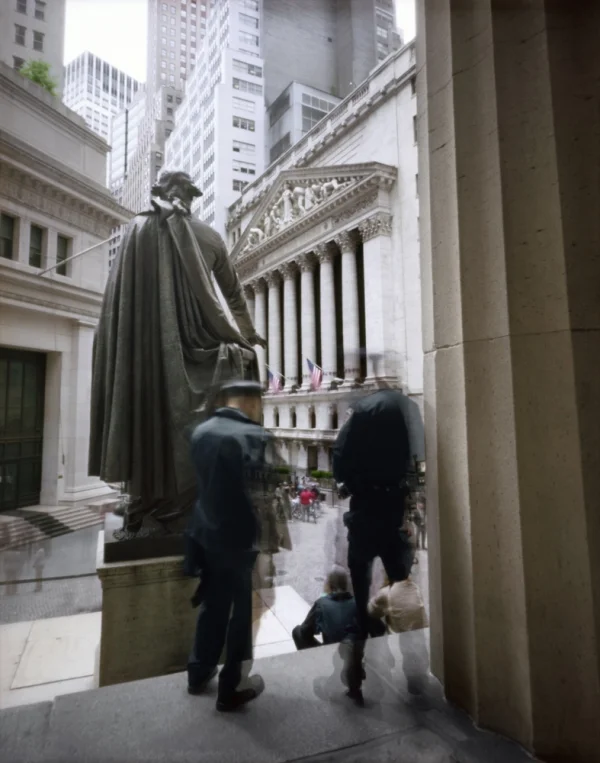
[371,457]
[231,454]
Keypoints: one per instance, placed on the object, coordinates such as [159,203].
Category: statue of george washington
[163,343]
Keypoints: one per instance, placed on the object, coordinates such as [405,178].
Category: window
[244,167]
[172,67]
[417,185]
[310,117]
[280,147]
[163,76]
[242,66]
[20,34]
[169,99]
[38,41]
[21,6]
[163,40]
[383,33]
[244,124]
[242,104]
[279,108]
[248,39]
[250,5]
[413,85]
[239,185]
[249,20]
[18,62]
[163,64]
[163,29]
[415,129]
[247,87]
[171,78]
[172,43]
[7,236]
[172,9]
[244,148]
[163,6]
[36,238]
[62,252]
[40,10]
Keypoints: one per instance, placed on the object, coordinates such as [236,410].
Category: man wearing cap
[232,455]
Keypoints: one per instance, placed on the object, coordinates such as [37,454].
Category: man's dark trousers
[374,525]
[225,619]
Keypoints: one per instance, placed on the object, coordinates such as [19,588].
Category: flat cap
[241,388]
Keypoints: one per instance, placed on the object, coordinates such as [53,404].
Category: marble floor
[43,659]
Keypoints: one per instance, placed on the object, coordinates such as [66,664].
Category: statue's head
[176,185]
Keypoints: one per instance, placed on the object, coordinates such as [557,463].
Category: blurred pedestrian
[39,559]
[371,456]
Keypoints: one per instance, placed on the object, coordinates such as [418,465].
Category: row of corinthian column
[266,290]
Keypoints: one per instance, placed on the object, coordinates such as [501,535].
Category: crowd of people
[298,499]
[234,457]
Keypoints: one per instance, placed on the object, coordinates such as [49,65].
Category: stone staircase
[303,716]
[31,525]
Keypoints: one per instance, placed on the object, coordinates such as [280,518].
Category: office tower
[97,91]
[175,31]
[259,59]
[33,30]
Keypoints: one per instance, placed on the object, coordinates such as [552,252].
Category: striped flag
[316,374]
[274,380]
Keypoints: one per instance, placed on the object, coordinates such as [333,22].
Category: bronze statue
[163,343]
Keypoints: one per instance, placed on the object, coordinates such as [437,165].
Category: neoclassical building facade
[52,205]
[326,244]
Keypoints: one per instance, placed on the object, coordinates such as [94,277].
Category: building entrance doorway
[22,383]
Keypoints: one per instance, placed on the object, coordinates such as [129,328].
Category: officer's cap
[241,388]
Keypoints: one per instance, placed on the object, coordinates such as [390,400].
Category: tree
[39,72]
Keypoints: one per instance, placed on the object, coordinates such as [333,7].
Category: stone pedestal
[147,619]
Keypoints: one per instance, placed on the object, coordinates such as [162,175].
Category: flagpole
[74,256]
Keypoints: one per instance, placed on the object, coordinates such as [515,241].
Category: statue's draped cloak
[162,340]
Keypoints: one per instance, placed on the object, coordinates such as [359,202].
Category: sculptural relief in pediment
[296,199]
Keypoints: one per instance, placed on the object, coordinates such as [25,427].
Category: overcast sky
[115,30]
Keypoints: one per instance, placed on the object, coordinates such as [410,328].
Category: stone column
[308,326]
[511,308]
[260,323]
[23,234]
[381,340]
[249,294]
[350,311]
[327,312]
[290,333]
[274,349]
[78,485]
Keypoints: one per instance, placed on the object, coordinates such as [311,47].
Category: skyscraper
[268,70]
[97,91]
[175,32]
[33,30]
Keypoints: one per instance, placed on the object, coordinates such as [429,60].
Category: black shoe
[199,688]
[226,704]
[357,696]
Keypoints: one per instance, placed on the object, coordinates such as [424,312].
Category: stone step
[302,715]
[47,524]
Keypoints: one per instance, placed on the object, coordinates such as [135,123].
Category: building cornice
[358,183]
[24,287]
[48,106]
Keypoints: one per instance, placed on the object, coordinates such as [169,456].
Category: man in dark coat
[162,342]
[370,457]
[233,457]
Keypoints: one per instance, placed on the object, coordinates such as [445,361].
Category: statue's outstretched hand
[256,339]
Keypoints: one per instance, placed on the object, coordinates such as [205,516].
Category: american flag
[316,374]
[274,380]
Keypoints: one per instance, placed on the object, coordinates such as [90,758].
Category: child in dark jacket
[331,615]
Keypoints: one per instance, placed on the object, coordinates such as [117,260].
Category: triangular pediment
[300,197]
